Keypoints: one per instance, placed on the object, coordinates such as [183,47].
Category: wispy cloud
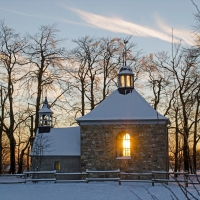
[27,15]
[178,33]
[41,16]
[69,21]
[119,25]
[17,12]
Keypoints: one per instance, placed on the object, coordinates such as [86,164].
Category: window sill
[123,157]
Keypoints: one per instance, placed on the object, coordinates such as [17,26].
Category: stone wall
[67,164]
[149,147]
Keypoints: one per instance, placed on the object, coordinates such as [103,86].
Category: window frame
[126,80]
[56,165]
[126,151]
[119,146]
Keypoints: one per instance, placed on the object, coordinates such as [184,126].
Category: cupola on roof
[45,118]
[125,80]
[125,70]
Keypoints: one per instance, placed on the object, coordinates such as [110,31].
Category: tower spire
[45,117]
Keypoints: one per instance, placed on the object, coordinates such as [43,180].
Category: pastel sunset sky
[149,22]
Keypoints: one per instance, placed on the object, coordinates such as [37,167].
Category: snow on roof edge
[113,107]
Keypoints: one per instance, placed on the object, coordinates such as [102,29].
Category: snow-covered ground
[92,191]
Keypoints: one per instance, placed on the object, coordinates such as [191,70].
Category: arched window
[126,145]
[123,145]
[57,166]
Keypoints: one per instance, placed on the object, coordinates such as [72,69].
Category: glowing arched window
[126,145]
[57,166]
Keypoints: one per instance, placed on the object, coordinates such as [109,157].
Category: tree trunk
[176,141]
[12,155]
[38,100]
[82,98]
[20,167]
[1,129]
[194,156]
[185,155]
[176,152]
[195,141]
[92,93]
[28,159]
[1,149]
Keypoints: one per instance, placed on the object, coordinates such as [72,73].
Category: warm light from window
[126,145]
[131,81]
[122,81]
[57,166]
[128,81]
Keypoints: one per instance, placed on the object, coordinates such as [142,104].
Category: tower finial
[45,100]
[45,103]
[125,51]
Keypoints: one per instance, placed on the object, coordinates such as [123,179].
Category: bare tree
[44,55]
[118,52]
[109,63]
[185,78]
[3,98]
[41,146]
[11,45]
[93,67]
[158,80]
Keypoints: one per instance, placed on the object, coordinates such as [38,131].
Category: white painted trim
[102,122]
[124,158]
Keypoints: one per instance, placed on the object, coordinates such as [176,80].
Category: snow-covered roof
[45,109]
[127,108]
[59,142]
[125,70]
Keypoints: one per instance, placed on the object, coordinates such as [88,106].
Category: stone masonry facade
[67,164]
[149,147]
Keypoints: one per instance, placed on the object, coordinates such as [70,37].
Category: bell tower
[125,80]
[45,118]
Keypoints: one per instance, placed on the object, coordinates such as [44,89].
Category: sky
[149,22]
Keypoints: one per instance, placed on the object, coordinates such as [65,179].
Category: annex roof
[125,108]
[58,142]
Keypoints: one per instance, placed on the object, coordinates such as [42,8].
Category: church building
[123,132]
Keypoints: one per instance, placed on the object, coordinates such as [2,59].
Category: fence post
[55,177]
[186,179]
[119,178]
[152,179]
[87,175]
[25,177]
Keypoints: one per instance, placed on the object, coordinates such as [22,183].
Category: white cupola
[125,80]
[45,118]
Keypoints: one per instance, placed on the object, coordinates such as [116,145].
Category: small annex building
[123,132]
